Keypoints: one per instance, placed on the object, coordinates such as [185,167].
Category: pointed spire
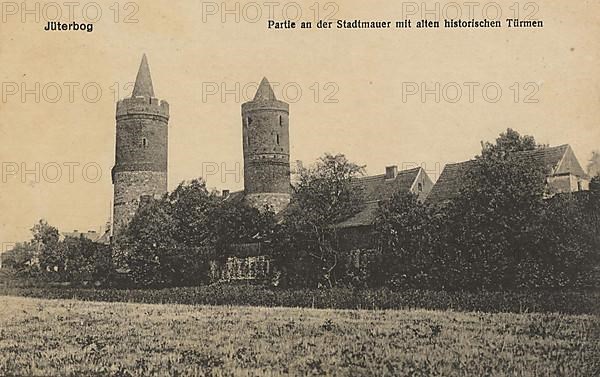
[265,92]
[143,81]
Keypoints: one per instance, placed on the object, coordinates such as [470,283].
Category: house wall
[422,185]
[567,183]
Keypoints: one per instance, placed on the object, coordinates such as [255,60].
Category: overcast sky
[352,86]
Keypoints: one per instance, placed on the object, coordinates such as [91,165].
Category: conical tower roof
[265,92]
[143,81]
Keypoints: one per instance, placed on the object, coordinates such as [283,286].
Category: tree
[48,252]
[594,164]
[507,143]
[146,246]
[492,223]
[171,241]
[85,260]
[405,229]
[19,259]
[324,196]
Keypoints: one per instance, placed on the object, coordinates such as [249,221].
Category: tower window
[280,121]
[277,139]
[144,142]
[249,121]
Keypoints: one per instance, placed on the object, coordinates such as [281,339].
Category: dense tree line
[48,258]
[502,232]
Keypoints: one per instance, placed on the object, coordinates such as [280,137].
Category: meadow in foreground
[66,337]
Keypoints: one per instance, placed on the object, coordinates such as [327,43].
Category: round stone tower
[141,149]
[266,142]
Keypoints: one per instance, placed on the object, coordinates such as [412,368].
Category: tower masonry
[266,145]
[141,149]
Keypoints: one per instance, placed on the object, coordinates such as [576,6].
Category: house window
[579,186]
[144,142]
[420,187]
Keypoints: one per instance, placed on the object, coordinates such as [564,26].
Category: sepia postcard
[270,188]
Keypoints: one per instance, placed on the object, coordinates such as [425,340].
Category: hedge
[571,302]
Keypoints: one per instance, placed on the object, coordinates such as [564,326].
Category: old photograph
[304,188]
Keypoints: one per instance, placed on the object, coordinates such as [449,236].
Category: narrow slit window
[280,121]
[144,142]
[277,139]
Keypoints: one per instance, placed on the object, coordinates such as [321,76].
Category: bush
[335,298]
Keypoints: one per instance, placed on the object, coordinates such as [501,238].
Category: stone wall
[129,186]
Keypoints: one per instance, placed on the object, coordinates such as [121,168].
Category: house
[565,174]
[356,231]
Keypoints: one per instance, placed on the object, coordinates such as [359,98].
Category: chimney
[391,172]
[225,194]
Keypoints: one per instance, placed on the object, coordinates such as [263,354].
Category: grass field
[66,337]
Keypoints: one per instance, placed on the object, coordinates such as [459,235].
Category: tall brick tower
[141,149]
[266,149]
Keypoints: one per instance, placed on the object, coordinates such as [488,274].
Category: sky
[353,91]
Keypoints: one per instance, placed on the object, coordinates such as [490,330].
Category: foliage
[48,255]
[85,261]
[593,167]
[500,233]
[19,258]
[171,241]
[324,196]
[405,229]
[567,302]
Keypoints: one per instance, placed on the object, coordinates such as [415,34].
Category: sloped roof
[143,82]
[377,188]
[558,160]
[449,182]
[264,92]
